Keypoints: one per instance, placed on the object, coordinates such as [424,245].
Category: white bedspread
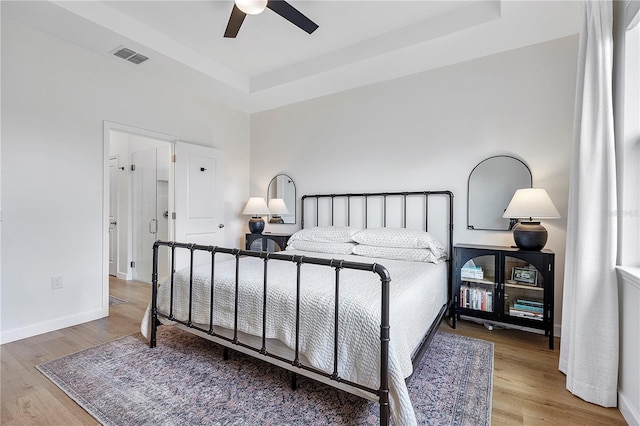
[418,291]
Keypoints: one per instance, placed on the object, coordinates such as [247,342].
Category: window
[629,217]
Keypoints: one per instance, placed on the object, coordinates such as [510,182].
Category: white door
[113,217]
[199,196]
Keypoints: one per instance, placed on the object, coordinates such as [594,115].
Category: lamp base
[530,236]
[256,225]
[276,219]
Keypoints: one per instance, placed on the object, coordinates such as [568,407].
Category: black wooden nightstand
[266,242]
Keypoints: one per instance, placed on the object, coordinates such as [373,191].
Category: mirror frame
[469,207]
[293,212]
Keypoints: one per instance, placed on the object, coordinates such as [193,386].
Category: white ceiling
[273,63]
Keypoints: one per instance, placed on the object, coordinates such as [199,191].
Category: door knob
[113,222]
[221,225]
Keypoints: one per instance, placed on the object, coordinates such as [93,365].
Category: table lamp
[256,207]
[277,207]
[530,203]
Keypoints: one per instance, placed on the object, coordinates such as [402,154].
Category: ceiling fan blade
[292,15]
[235,21]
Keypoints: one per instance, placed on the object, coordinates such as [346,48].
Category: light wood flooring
[528,389]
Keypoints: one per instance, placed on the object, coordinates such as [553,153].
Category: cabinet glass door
[271,245]
[477,284]
[523,290]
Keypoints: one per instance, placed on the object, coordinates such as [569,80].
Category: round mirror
[281,198]
[492,184]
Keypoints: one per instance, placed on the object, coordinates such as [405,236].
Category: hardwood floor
[28,397]
[528,389]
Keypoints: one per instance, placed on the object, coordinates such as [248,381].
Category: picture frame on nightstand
[524,276]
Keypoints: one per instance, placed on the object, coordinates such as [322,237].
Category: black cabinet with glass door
[266,242]
[505,284]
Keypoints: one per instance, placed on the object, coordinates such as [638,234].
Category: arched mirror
[281,197]
[491,185]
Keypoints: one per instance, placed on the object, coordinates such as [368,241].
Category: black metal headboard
[347,216]
[403,207]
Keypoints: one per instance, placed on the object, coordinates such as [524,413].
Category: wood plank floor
[528,389]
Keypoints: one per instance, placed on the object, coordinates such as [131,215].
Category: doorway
[150,210]
[165,189]
[139,204]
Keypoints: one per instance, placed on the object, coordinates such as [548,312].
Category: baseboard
[630,413]
[123,276]
[47,326]
[557,330]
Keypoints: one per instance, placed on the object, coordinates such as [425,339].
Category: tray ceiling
[273,63]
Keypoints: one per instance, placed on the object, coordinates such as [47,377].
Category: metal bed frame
[295,366]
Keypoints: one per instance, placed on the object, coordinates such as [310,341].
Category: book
[528,308]
[528,302]
[472,272]
[476,298]
[526,314]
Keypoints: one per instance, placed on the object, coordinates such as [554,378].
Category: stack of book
[472,272]
[531,309]
[476,298]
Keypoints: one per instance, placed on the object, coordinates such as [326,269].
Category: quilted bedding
[418,291]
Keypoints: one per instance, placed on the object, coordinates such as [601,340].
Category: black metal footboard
[296,366]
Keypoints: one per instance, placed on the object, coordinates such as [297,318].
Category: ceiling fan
[242,8]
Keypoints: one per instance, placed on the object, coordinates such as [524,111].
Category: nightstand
[505,284]
[266,241]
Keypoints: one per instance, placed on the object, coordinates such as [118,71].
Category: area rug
[113,301]
[185,381]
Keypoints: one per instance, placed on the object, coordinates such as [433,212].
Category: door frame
[107,127]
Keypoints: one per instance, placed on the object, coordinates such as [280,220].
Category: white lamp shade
[531,203]
[256,206]
[251,7]
[277,206]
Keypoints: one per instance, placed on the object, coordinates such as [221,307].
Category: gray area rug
[185,381]
[113,301]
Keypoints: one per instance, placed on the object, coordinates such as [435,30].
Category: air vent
[129,55]
[137,58]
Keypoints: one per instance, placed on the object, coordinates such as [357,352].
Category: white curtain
[589,345]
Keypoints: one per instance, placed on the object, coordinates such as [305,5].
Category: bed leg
[384,412]
[225,353]
[294,381]
[153,329]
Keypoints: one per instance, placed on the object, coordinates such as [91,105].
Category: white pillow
[327,234]
[411,254]
[321,247]
[400,238]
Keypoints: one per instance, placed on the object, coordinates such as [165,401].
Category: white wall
[428,131]
[425,131]
[629,371]
[55,97]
